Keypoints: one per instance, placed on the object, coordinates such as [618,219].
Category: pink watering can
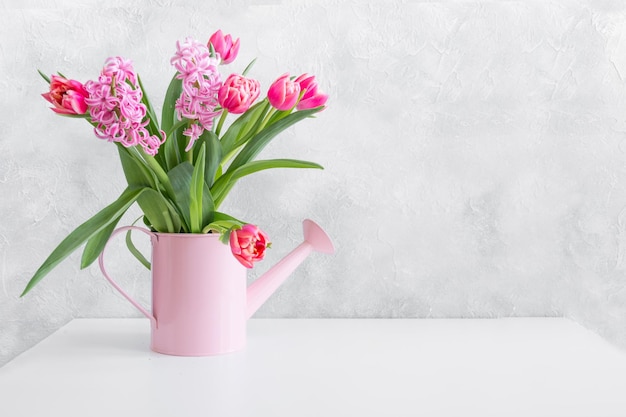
[200,302]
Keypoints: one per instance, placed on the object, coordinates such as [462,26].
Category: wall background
[474,155]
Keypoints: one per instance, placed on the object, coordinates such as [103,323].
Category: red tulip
[67,96]
[238,93]
[224,46]
[283,93]
[312,97]
[248,244]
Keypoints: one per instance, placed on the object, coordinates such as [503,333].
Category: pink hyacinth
[201,82]
[115,106]
[193,132]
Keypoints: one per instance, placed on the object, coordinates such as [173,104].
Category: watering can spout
[315,239]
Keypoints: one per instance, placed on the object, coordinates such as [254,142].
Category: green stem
[189,153]
[169,223]
[245,71]
[267,118]
[218,129]
[158,171]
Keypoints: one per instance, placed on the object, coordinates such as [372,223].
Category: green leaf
[242,126]
[153,168]
[261,139]
[168,113]
[213,156]
[85,232]
[248,67]
[196,192]
[75,116]
[179,124]
[171,147]
[160,213]
[95,245]
[208,205]
[222,226]
[44,76]
[180,178]
[279,115]
[153,124]
[133,249]
[222,222]
[224,184]
[135,172]
[219,216]
[139,173]
[168,123]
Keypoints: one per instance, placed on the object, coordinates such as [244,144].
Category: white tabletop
[325,367]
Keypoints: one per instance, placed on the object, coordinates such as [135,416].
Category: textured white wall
[474,155]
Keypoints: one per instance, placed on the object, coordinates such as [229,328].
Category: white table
[325,367]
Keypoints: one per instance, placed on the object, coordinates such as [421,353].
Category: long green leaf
[44,76]
[261,139]
[168,122]
[84,232]
[243,125]
[153,122]
[224,184]
[159,212]
[154,169]
[136,173]
[213,156]
[223,224]
[219,216]
[171,148]
[248,67]
[180,177]
[208,205]
[133,249]
[179,124]
[168,113]
[95,245]
[196,191]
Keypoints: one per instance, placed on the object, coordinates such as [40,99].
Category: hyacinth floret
[201,82]
[116,108]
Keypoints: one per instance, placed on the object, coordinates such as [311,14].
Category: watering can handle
[115,284]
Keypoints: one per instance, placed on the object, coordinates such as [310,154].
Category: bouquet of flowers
[179,171]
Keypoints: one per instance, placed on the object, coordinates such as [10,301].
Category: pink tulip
[224,46]
[67,96]
[312,96]
[248,244]
[238,93]
[283,93]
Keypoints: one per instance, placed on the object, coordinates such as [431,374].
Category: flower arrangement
[180,170]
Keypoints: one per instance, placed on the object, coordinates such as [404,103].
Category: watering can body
[200,302]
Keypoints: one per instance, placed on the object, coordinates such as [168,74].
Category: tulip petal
[248,244]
